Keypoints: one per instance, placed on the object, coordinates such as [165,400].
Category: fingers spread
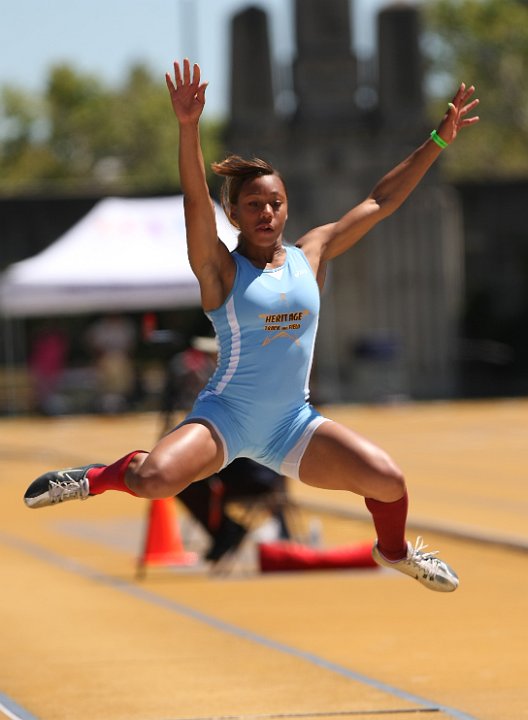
[196,74]
[186,71]
[177,74]
[200,93]
[169,82]
[459,94]
[469,107]
[185,77]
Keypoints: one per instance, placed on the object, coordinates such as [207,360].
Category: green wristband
[438,140]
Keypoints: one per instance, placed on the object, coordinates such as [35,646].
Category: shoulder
[295,255]
[315,239]
[240,262]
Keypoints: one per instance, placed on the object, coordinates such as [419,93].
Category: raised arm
[208,256]
[328,241]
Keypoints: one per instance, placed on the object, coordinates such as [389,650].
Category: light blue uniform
[257,399]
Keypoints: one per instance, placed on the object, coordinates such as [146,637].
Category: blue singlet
[257,399]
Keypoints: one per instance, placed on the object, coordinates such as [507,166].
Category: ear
[233,215]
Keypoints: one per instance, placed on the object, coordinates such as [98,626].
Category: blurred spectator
[112,341]
[187,373]
[207,501]
[47,362]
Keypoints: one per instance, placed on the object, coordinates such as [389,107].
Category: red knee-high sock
[389,521]
[111,477]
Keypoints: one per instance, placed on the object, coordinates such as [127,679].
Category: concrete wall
[392,305]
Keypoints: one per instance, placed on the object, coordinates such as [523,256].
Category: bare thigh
[191,452]
[337,458]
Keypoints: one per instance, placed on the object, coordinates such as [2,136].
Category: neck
[262,257]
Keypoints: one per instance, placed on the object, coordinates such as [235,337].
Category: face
[262,210]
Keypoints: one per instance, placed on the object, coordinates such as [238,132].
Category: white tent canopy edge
[125,254]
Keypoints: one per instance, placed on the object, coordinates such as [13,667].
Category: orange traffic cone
[163,544]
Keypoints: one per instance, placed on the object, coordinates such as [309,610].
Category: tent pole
[9,365]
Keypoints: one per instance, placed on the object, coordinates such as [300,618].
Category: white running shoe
[429,570]
[59,485]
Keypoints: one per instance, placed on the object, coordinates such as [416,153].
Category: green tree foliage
[484,42]
[81,136]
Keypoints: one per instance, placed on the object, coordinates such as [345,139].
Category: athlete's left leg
[337,458]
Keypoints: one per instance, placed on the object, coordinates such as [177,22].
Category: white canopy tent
[125,254]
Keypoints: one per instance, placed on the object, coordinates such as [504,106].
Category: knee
[393,486]
[153,478]
[398,487]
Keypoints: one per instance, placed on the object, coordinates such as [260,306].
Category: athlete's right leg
[191,452]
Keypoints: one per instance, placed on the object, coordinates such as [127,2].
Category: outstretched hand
[455,118]
[187,95]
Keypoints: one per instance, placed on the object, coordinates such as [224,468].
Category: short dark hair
[236,171]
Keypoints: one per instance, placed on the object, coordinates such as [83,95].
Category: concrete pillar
[400,66]
[325,68]
[252,101]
